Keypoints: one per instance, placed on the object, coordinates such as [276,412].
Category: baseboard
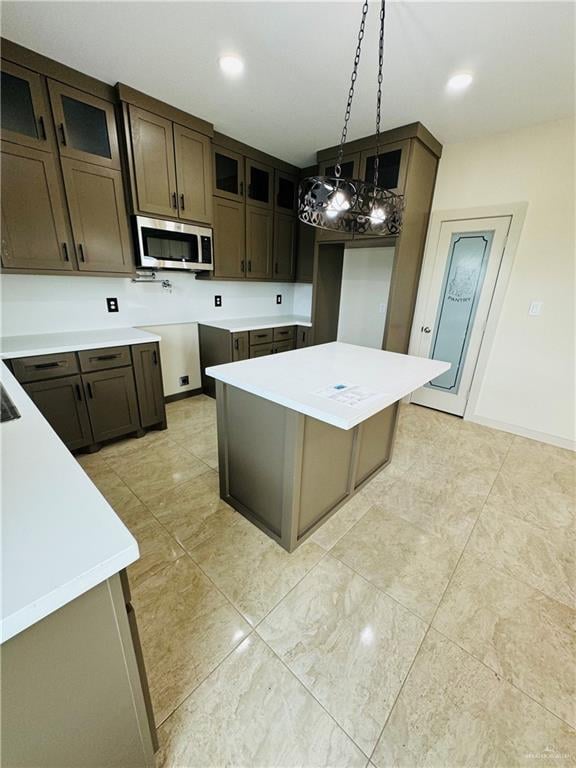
[531,434]
[183,395]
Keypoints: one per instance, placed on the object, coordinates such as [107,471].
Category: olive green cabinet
[24,110]
[96,395]
[172,168]
[259,242]
[31,186]
[240,346]
[228,174]
[285,234]
[229,238]
[259,184]
[63,404]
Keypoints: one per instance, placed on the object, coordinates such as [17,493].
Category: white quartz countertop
[257,323]
[71,341]
[300,379]
[60,537]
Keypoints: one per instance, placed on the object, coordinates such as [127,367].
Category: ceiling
[298,55]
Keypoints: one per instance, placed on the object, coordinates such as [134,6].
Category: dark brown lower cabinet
[303,336]
[259,242]
[285,232]
[148,376]
[112,404]
[62,403]
[240,346]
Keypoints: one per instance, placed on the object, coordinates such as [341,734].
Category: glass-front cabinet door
[259,184]
[349,167]
[286,187]
[228,174]
[85,126]
[392,164]
[24,113]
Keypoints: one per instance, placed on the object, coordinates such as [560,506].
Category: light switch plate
[535,308]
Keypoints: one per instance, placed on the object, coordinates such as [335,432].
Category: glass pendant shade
[349,205]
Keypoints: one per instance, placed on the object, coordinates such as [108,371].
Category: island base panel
[287,472]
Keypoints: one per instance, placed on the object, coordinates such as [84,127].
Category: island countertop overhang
[295,379]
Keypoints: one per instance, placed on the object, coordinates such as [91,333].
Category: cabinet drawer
[261,349]
[284,346]
[262,336]
[43,367]
[101,359]
[282,334]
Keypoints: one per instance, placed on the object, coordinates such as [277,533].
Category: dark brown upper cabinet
[99,217]
[259,184]
[286,192]
[285,233]
[154,168]
[229,238]
[259,243]
[349,167]
[85,126]
[228,174]
[31,187]
[193,174]
[392,165]
[24,108]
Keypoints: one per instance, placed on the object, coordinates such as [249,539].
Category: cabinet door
[228,174]
[148,375]
[305,253]
[154,169]
[392,165]
[259,179]
[24,111]
[285,228]
[229,238]
[99,217]
[62,403]
[303,336]
[240,346]
[193,175]
[85,125]
[259,242]
[112,404]
[286,191]
[31,188]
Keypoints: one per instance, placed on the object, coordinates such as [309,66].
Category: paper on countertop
[346,393]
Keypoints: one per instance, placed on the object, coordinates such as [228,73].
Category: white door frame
[517,212]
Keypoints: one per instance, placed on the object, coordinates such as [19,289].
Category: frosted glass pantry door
[461,286]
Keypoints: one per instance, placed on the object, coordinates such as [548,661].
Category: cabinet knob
[425,329]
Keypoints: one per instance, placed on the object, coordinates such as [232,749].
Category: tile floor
[428,623]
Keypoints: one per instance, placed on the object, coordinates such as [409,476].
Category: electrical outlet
[112,305]
[184,381]
[217,301]
[278,298]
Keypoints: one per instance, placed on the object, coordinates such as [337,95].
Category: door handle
[154,358]
[90,393]
[276,267]
[174,201]
[236,346]
[63,134]
[42,128]
[182,202]
[241,189]
[425,329]
[65,252]
[249,265]
[242,266]
[78,393]
[81,252]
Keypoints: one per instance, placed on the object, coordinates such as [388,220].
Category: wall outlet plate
[112,305]
[217,301]
[278,298]
[184,381]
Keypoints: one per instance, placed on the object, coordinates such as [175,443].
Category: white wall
[43,303]
[528,385]
[366,276]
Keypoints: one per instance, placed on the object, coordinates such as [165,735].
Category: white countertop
[257,323]
[293,379]
[60,537]
[71,341]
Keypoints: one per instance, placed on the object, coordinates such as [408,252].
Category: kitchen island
[301,432]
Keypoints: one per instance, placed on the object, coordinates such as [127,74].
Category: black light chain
[379,94]
[337,168]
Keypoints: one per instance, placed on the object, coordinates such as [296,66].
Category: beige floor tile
[377,487]
[471,445]
[193,512]
[132,446]
[156,470]
[157,547]
[350,644]
[540,466]
[253,713]
[454,712]
[253,570]
[405,561]
[341,521]
[114,489]
[189,412]
[201,440]
[543,559]
[186,627]
[92,462]
[520,633]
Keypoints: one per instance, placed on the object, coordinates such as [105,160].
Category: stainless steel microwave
[171,245]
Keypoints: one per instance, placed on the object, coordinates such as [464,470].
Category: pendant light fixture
[352,205]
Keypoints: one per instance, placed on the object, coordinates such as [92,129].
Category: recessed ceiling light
[231,65]
[459,82]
